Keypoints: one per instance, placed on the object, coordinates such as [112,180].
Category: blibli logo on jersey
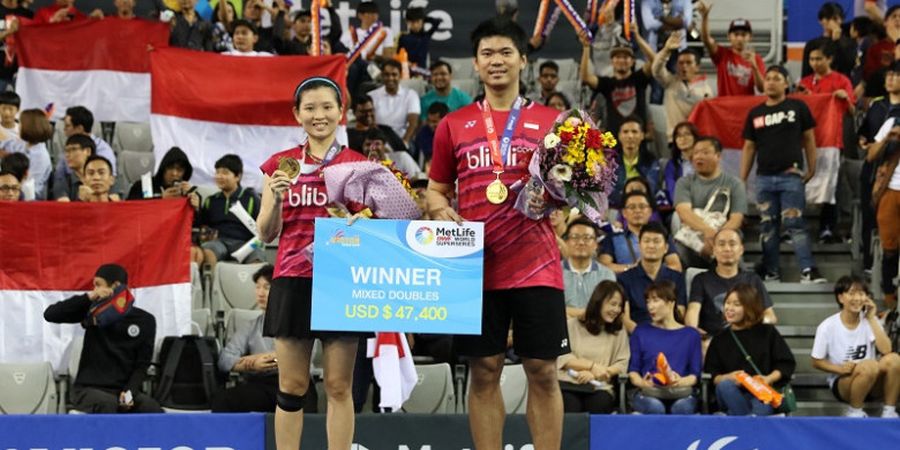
[777,118]
[307,196]
[482,158]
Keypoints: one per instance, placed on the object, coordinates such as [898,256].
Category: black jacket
[174,156]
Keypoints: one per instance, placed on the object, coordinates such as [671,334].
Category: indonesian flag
[394,369]
[51,251]
[103,65]
[724,118]
[210,105]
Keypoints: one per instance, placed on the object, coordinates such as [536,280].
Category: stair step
[802,313]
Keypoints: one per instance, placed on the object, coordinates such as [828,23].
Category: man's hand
[703,8]
[61,15]
[446,213]
[84,193]
[97,13]
[126,400]
[263,362]
[674,41]
[847,368]
[841,94]
[172,192]
[99,292]
[749,54]
[583,38]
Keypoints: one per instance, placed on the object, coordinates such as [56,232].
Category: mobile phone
[191,190]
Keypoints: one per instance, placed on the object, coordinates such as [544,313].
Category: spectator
[739,68]
[879,54]
[223,25]
[608,35]
[35,131]
[885,155]
[9,110]
[581,272]
[189,30]
[775,141]
[663,19]
[364,113]
[548,78]
[443,92]
[873,8]
[634,160]
[374,147]
[67,182]
[253,12]
[639,184]
[124,9]
[118,345]
[10,186]
[892,23]
[425,137]
[845,347]
[747,345]
[302,28]
[367,13]
[397,106]
[711,190]
[17,164]
[621,249]
[417,41]
[839,46]
[558,101]
[80,120]
[98,181]
[683,89]
[625,91]
[244,37]
[662,333]
[215,213]
[650,269]
[599,353]
[63,11]
[8,28]
[684,135]
[708,289]
[171,178]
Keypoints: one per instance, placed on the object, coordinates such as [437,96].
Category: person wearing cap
[777,133]
[302,31]
[417,40]
[683,89]
[118,345]
[245,36]
[625,91]
[842,47]
[739,68]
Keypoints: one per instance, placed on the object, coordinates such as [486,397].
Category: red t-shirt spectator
[878,55]
[735,73]
[828,84]
[46,13]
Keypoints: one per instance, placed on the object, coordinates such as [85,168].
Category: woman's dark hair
[565,100]
[501,26]
[265,271]
[676,152]
[317,83]
[845,283]
[638,179]
[752,302]
[593,319]
[34,127]
[665,290]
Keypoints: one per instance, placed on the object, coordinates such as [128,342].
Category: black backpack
[187,377]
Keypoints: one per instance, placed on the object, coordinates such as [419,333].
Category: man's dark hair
[864,25]
[891,11]
[847,282]
[375,134]
[301,13]
[231,162]
[439,108]
[441,63]
[698,53]
[583,221]
[826,46]
[93,158]
[266,272]
[17,164]
[246,24]
[502,27]
[712,140]
[392,63]
[644,195]
[548,64]
[10,98]
[361,99]
[83,142]
[831,10]
[417,13]
[367,7]
[630,119]
[654,228]
[4,172]
[79,115]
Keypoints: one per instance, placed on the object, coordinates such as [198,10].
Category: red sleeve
[805,82]
[443,158]
[717,56]
[269,166]
[847,86]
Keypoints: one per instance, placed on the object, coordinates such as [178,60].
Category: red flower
[593,139]
[565,137]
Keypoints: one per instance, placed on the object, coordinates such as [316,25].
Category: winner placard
[398,275]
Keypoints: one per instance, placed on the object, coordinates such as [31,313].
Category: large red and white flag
[210,105]
[103,65]
[50,251]
[724,118]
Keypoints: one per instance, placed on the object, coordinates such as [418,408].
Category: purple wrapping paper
[373,185]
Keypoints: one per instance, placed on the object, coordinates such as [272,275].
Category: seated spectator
[417,41]
[118,345]
[548,78]
[649,270]
[683,137]
[708,188]
[443,92]
[708,289]
[374,147]
[171,179]
[223,25]
[124,9]
[634,159]
[885,155]
[9,111]
[621,250]
[364,113]
[840,46]
[215,213]
[244,37]
[97,181]
[558,101]
[748,344]
[425,136]
[739,68]
[63,11]
[34,132]
[581,272]
[67,182]
[396,106]
[639,184]
[684,88]
[10,186]
[845,347]
[662,333]
[189,30]
[663,19]
[600,353]
[80,120]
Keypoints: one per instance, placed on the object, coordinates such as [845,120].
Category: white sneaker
[889,413]
[854,412]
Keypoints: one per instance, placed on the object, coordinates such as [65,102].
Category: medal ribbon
[306,169]
[500,150]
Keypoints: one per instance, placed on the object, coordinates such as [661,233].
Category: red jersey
[735,73]
[44,14]
[518,252]
[305,201]
[828,84]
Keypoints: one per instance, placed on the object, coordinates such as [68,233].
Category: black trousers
[579,401]
[106,401]
[257,394]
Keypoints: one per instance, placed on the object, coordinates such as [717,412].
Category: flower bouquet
[575,165]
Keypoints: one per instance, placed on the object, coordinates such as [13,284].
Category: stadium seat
[132,165]
[433,393]
[689,278]
[28,388]
[233,286]
[203,318]
[206,191]
[568,68]
[514,386]
[462,67]
[416,84]
[133,137]
[197,300]
[238,319]
[572,90]
[470,86]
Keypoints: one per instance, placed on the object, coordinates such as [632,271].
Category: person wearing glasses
[10,188]
[581,272]
[621,250]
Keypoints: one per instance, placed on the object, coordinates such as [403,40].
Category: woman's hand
[279,183]
[584,377]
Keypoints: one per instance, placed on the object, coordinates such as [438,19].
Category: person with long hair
[684,135]
[600,352]
[763,345]
[34,131]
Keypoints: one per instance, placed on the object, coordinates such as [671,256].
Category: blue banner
[134,431]
[741,433]
[398,275]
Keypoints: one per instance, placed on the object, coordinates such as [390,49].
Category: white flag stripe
[110,95]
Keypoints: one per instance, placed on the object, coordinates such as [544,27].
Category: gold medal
[290,166]
[497,192]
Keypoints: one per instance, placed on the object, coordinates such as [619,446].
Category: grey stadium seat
[233,286]
[132,165]
[462,67]
[132,136]
[433,393]
[513,387]
[28,388]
